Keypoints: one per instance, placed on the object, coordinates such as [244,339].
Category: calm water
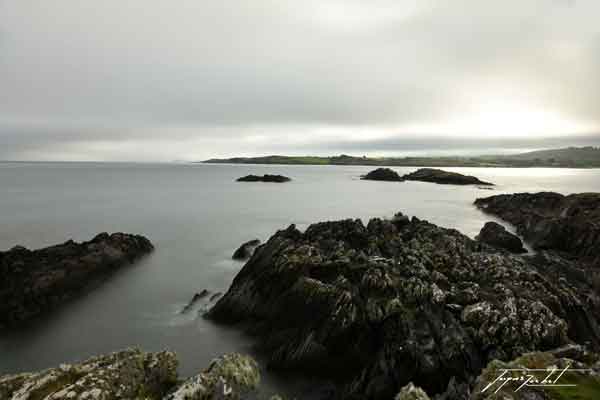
[196,215]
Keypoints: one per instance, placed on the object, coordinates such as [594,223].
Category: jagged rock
[488,386]
[382,174]
[228,377]
[411,392]
[264,178]
[34,281]
[246,250]
[133,374]
[381,305]
[443,177]
[215,296]
[567,224]
[192,303]
[495,234]
[129,374]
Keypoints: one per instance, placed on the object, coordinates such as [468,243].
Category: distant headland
[571,157]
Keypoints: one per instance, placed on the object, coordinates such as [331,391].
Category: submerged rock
[382,174]
[394,302]
[133,374]
[496,235]
[192,303]
[551,221]
[246,250]
[443,177]
[33,281]
[264,178]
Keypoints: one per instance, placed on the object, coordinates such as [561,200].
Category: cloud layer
[155,80]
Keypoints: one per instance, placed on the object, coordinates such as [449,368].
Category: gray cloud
[83,79]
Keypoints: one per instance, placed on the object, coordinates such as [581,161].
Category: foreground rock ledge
[34,281]
[402,301]
[133,374]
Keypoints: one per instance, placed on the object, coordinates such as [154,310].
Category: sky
[150,80]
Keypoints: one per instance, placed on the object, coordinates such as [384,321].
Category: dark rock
[400,219]
[215,296]
[382,305]
[443,177]
[496,235]
[550,221]
[382,174]
[264,178]
[246,250]
[33,282]
[192,303]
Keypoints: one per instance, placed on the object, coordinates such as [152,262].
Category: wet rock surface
[496,235]
[133,374]
[264,178]
[246,250]
[382,305]
[382,174]
[443,177]
[34,281]
[569,225]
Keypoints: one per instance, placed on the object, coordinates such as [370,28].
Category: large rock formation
[496,235]
[443,177]
[406,301]
[133,374]
[382,174]
[550,221]
[264,178]
[33,281]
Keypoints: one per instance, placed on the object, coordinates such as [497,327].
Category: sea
[196,215]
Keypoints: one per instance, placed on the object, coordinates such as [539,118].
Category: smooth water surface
[196,216]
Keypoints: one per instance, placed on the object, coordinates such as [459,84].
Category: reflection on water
[196,215]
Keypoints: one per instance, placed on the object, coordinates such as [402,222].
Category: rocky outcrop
[394,302]
[443,177]
[133,374]
[264,178]
[246,250]
[129,374]
[382,174]
[228,377]
[496,235]
[569,225]
[33,281]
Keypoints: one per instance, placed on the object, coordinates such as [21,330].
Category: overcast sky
[194,79]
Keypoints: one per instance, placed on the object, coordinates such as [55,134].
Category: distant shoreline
[572,157]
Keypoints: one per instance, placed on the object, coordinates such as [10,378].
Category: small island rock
[264,178]
[443,177]
[382,174]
